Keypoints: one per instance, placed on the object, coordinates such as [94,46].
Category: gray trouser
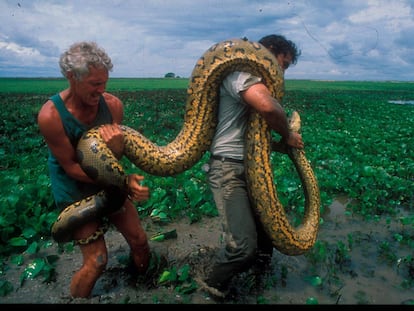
[240,228]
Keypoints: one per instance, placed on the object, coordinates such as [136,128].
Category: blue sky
[339,40]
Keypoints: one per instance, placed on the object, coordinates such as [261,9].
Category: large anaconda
[194,140]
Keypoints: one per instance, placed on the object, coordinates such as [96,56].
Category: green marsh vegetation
[360,146]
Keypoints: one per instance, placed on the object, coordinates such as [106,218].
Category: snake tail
[89,209]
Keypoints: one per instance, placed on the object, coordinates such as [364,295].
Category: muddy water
[365,276]
[360,272]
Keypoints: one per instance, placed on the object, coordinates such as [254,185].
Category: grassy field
[359,144]
[52,85]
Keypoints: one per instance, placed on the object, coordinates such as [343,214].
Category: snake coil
[194,140]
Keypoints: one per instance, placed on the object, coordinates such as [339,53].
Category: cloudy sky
[339,40]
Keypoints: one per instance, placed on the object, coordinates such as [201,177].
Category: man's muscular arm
[259,98]
[51,128]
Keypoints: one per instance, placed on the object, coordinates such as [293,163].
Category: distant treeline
[52,85]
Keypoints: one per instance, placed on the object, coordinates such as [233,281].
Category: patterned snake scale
[194,140]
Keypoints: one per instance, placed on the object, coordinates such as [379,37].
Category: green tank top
[65,189]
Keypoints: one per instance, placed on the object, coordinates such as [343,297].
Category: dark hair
[278,44]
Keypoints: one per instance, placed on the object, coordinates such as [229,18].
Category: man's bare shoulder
[48,120]
[47,111]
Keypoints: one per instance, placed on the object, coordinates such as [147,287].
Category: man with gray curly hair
[82,55]
[62,120]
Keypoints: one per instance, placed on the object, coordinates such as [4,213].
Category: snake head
[294,122]
[294,126]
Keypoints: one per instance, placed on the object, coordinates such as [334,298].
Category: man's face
[284,61]
[91,87]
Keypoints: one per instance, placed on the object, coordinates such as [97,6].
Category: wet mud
[356,272]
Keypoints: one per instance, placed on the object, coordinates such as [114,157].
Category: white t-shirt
[229,138]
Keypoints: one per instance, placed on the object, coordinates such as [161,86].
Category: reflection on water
[337,208]
[358,262]
[402,102]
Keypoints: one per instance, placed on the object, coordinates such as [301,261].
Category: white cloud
[19,50]
[147,38]
[380,11]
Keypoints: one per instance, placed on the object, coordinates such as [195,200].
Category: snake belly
[194,139]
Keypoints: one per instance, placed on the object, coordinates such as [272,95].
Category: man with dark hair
[245,242]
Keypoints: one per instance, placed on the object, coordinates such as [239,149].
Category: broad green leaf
[18,241]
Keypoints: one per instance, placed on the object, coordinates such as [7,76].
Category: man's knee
[97,263]
[140,248]
[101,261]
